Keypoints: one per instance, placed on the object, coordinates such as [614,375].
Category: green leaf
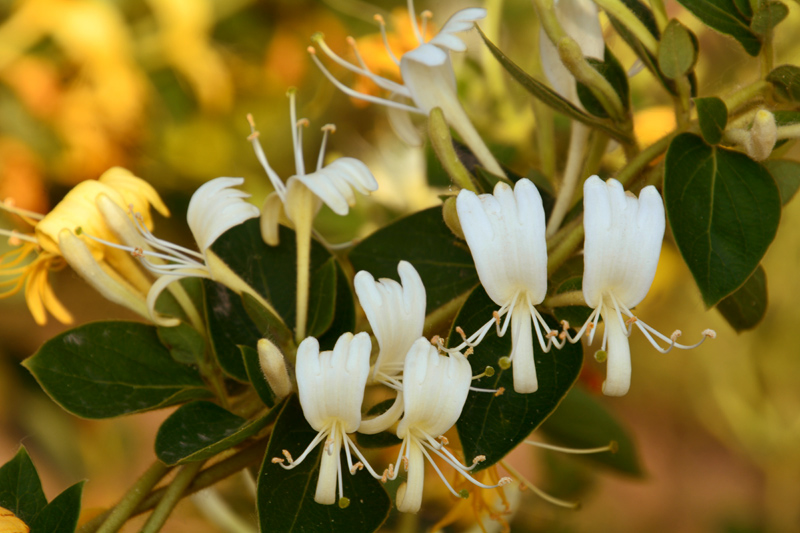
[184,343]
[60,515]
[724,210]
[268,326]
[745,308]
[769,15]
[550,97]
[200,430]
[286,497]
[494,425]
[107,369]
[229,326]
[344,317]
[20,489]
[723,16]
[712,113]
[613,72]
[786,174]
[256,376]
[786,81]
[744,8]
[270,270]
[583,422]
[423,239]
[677,50]
[322,298]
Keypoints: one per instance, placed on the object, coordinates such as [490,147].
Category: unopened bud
[763,135]
[273,365]
[451,217]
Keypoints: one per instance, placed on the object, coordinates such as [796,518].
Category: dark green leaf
[256,375]
[322,298]
[677,50]
[551,98]
[745,308]
[713,117]
[723,16]
[423,239]
[286,497]
[384,439]
[724,210]
[787,175]
[20,489]
[61,514]
[184,343]
[786,81]
[199,430]
[494,425]
[613,72]
[270,270]
[268,326]
[344,318]
[107,369]
[229,326]
[744,8]
[769,15]
[582,422]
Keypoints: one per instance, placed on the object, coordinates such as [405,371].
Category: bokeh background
[162,87]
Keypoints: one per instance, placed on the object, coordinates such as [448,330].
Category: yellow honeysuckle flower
[79,208]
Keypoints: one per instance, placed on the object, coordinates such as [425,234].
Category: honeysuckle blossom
[331,388]
[435,388]
[505,233]
[214,208]
[621,251]
[428,80]
[331,184]
[111,271]
[396,312]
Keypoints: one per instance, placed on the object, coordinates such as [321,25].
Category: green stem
[442,142]
[127,506]
[790,131]
[660,13]
[173,494]
[543,114]
[204,479]
[565,299]
[565,249]
[643,158]
[744,95]
[561,234]
[620,11]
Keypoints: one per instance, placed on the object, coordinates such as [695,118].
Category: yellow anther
[276,460]
[287,455]
[500,391]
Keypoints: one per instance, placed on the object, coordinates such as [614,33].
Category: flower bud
[763,135]
[273,365]
[451,217]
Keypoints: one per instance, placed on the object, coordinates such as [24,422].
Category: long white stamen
[536,490]
[426,16]
[15,235]
[461,469]
[277,184]
[350,443]
[8,205]
[326,129]
[611,447]
[380,81]
[355,94]
[300,168]
[160,244]
[412,15]
[386,40]
[320,436]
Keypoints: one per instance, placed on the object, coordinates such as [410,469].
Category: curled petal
[334,183]
[270,217]
[215,208]
[135,191]
[462,20]
[623,241]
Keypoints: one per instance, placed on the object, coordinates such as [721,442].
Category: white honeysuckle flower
[505,233]
[621,251]
[428,80]
[331,184]
[214,208]
[396,312]
[331,388]
[435,388]
[579,19]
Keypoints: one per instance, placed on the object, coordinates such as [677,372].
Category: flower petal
[462,20]
[623,241]
[334,183]
[215,208]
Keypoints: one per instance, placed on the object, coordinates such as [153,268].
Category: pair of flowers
[505,232]
[431,391]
